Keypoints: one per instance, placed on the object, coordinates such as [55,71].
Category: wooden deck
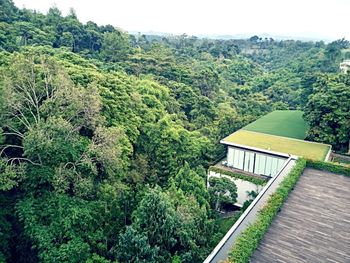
[314,223]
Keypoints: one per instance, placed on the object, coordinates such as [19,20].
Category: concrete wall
[242,187]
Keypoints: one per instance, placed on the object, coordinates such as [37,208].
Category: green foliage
[330,167]
[98,259]
[169,145]
[249,239]
[134,247]
[115,46]
[63,228]
[341,160]
[254,180]
[224,224]
[222,190]
[327,112]
[10,175]
[191,183]
[156,217]
[92,119]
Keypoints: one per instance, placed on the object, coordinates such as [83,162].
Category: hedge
[328,166]
[250,238]
[252,179]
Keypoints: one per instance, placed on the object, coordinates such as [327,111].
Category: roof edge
[259,149]
[289,138]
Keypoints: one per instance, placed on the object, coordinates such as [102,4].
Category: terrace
[310,224]
[314,223]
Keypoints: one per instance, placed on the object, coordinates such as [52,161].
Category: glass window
[240,159]
[260,163]
[268,166]
[230,156]
[253,162]
[249,162]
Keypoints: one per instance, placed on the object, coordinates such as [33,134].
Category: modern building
[258,151]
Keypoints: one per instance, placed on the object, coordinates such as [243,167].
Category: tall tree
[328,113]
[115,46]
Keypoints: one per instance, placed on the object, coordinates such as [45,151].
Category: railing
[220,252]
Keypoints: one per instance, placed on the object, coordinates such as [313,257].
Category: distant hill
[314,38]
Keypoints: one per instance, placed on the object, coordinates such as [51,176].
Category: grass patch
[250,238]
[309,150]
[286,123]
[252,179]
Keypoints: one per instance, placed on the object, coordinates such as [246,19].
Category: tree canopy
[105,136]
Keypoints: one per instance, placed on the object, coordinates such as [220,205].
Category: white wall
[242,187]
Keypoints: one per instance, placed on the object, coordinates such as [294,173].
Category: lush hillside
[106,137]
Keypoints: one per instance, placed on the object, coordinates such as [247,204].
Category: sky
[314,19]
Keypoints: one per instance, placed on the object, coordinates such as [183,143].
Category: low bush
[328,166]
[250,238]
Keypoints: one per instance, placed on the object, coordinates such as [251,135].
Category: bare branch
[13,133]
[11,160]
[69,163]
[27,93]
[24,121]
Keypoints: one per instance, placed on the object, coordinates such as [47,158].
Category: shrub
[328,166]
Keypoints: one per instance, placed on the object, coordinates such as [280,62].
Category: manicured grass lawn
[309,150]
[286,123]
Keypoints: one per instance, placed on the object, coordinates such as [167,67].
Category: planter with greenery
[252,179]
[249,239]
[328,166]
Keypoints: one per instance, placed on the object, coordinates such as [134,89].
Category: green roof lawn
[286,123]
[310,150]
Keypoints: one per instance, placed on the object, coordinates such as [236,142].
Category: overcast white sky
[327,19]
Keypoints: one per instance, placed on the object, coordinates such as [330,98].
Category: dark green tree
[115,46]
[328,114]
[222,190]
[134,247]
[156,218]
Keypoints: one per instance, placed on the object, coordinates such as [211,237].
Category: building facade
[255,162]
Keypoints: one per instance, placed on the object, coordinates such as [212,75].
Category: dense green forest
[106,137]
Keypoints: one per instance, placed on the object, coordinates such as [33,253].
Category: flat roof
[286,123]
[279,144]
